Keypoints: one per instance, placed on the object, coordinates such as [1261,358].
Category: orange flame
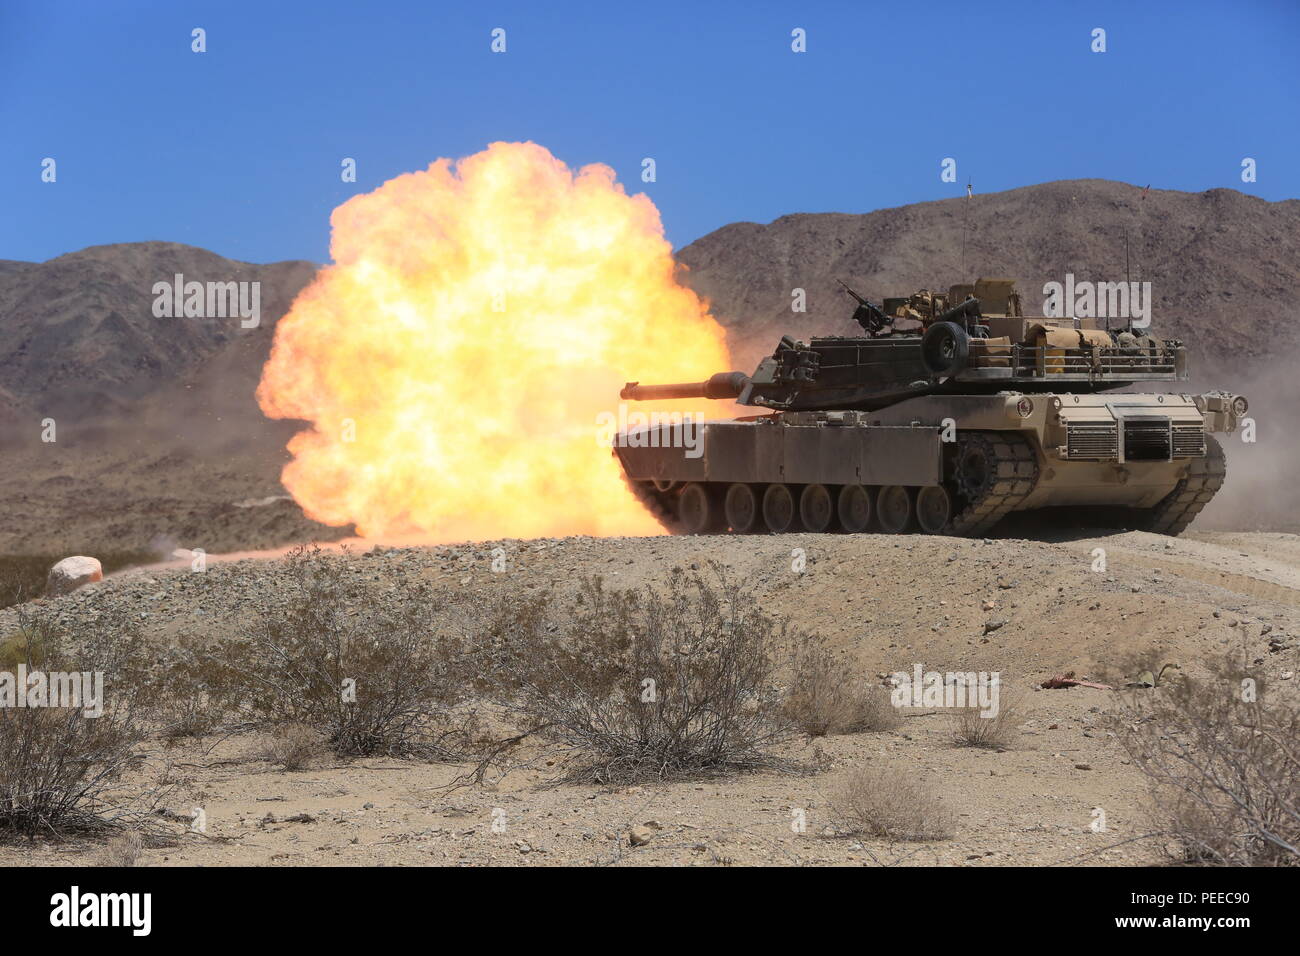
[454,357]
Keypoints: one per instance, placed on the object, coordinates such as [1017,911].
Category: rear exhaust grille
[1147,439]
[1096,440]
[1189,440]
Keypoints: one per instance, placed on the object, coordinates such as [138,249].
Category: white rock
[71,573]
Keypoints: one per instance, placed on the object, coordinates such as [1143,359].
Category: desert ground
[886,602]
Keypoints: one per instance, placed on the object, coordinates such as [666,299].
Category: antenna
[1127,273]
[1127,277]
[965,217]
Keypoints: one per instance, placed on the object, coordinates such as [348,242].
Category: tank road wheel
[778,509]
[975,467]
[741,508]
[816,508]
[894,509]
[855,509]
[933,509]
[699,509]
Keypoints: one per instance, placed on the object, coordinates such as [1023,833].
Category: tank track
[1014,474]
[1204,478]
[654,503]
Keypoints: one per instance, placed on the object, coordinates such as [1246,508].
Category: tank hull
[954,464]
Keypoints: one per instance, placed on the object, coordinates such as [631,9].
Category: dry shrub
[59,767]
[970,728]
[375,674]
[885,804]
[825,697]
[639,685]
[195,692]
[56,765]
[1224,771]
[295,747]
[122,850]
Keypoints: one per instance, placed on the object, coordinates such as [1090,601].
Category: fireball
[477,320]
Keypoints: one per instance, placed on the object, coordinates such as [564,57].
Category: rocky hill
[1224,267]
[80,334]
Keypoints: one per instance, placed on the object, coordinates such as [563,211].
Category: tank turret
[956,349]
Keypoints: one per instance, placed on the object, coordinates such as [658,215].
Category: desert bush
[638,685]
[294,747]
[375,675]
[826,697]
[1223,761]
[59,767]
[969,727]
[194,692]
[121,850]
[886,804]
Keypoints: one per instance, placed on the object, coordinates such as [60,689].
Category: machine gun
[867,314]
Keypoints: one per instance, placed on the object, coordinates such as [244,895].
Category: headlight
[1240,405]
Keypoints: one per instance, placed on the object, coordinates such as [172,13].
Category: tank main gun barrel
[722,385]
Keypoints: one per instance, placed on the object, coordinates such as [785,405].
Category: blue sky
[238,149]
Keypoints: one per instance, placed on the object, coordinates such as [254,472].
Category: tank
[952,411]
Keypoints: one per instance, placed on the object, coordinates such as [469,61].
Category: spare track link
[1204,478]
[1015,470]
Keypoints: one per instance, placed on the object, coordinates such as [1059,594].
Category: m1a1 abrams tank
[951,412]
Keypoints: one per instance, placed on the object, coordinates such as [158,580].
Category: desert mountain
[1224,267]
[80,335]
